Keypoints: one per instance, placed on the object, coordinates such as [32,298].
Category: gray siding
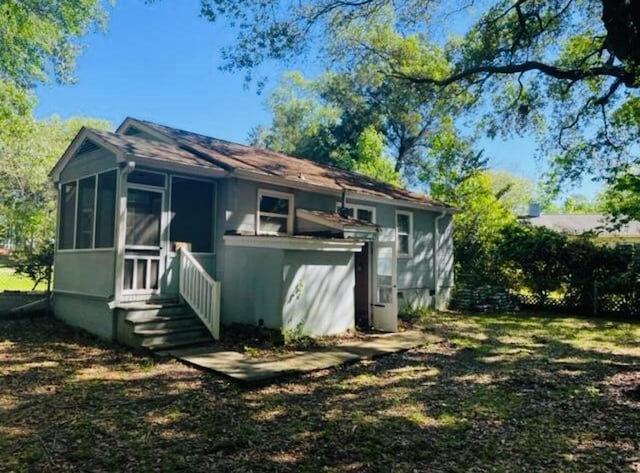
[85,164]
[416,285]
[252,286]
[304,292]
[318,293]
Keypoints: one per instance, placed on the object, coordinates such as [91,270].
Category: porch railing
[200,291]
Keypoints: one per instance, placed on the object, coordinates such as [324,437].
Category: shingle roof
[153,150]
[577,224]
[263,162]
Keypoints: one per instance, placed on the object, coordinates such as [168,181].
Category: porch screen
[67,216]
[192,214]
[86,210]
[106,209]
[143,218]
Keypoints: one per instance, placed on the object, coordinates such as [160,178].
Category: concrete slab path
[253,370]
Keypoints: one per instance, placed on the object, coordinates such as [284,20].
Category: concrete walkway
[253,370]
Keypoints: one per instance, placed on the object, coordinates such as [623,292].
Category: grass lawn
[500,394]
[9,281]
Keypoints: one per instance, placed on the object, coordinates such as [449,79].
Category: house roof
[248,160]
[577,224]
[135,147]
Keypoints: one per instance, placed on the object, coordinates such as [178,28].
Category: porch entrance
[144,254]
[162,211]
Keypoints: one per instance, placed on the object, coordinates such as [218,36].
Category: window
[275,213]
[192,214]
[67,216]
[360,212]
[86,211]
[106,209]
[404,232]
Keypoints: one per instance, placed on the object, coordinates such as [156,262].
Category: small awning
[319,220]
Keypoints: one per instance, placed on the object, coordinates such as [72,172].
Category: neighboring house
[150,215]
[580,224]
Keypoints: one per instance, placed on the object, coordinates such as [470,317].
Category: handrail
[200,291]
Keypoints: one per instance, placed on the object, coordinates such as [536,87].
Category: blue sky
[160,62]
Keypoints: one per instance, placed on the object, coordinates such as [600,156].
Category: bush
[35,263]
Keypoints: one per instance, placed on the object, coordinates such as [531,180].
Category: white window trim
[357,207]
[277,195]
[410,234]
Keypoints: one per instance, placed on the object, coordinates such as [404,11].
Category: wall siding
[87,272]
[252,286]
[416,283]
[85,164]
[318,293]
[91,315]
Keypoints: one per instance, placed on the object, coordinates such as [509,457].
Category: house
[580,224]
[158,225]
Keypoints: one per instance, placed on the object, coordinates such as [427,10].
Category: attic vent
[87,147]
[132,131]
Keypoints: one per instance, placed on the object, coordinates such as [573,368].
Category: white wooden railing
[200,291]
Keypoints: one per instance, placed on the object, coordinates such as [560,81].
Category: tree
[567,70]
[514,192]
[323,119]
[477,230]
[27,198]
[39,38]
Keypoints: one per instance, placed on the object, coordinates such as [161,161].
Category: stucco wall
[89,314]
[318,292]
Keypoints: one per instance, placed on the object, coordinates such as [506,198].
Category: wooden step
[160,326]
[158,341]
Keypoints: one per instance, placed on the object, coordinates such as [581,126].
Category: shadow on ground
[501,393]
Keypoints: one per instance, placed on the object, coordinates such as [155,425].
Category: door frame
[384,316]
[369,246]
[163,243]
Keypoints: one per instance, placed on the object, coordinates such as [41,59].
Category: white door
[385,288]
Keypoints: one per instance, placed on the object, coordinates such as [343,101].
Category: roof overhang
[320,218]
[293,183]
[83,135]
[293,243]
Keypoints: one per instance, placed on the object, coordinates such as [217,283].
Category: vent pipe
[534,209]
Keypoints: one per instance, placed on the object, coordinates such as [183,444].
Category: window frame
[94,178]
[409,234]
[60,212]
[115,211]
[290,215]
[75,249]
[357,207]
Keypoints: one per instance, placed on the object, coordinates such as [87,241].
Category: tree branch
[556,72]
